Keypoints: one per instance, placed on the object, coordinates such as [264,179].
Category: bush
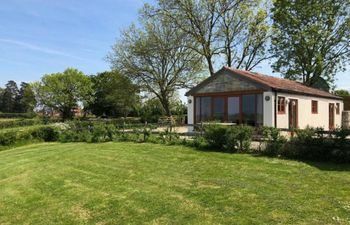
[231,139]
[47,134]
[275,142]
[99,133]
[8,138]
[239,138]
[215,135]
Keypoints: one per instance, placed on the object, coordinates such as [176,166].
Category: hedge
[18,115]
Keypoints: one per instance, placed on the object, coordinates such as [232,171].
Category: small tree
[64,91]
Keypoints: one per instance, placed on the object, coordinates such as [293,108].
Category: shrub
[8,138]
[99,133]
[47,134]
[239,138]
[275,142]
[215,135]
[341,150]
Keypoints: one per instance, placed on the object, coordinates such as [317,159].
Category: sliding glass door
[241,108]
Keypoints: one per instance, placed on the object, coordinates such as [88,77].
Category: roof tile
[282,84]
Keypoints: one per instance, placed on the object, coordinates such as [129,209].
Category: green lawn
[125,183]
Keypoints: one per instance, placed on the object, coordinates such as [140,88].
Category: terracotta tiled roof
[282,84]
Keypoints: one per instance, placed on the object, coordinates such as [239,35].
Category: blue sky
[46,36]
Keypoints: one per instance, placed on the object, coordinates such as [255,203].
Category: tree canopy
[311,38]
[236,30]
[114,95]
[157,57]
[342,93]
[64,91]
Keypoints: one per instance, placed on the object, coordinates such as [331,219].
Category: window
[205,109]
[219,108]
[281,105]
[234,115]
[249,109]
[242,108]
[314,107]
[337,109]
[259,110]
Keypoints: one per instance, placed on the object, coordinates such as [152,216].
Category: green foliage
[274,141]
[64,91]
[151,111]
[47,134]
[9,97]
[17,115]
[239,138]
[114,95]
[310,39]
[28,134]
[231,139]
[26,101]
[235,31]
[342,93]
[13,100]
[312,144]
[8,138]
[215,135]
[157,56]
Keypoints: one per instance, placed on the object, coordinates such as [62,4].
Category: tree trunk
[210,65]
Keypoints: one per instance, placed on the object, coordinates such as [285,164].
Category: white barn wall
[306,117]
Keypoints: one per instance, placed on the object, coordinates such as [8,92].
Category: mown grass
[126,183]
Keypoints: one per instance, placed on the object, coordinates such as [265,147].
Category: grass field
[125,183]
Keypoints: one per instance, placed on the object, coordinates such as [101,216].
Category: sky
[39,37]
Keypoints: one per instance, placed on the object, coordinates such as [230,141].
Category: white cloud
[39,48]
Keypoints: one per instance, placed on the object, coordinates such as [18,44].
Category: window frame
[313,110]
[337,108]
[281,108]
[197,117]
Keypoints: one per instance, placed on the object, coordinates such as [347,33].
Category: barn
[236,96]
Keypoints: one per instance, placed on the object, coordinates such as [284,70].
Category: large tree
[9,97]
[64,91]
[1,93]
[157,57]
[114,95]
[26,101]
[311,38]
[236,30]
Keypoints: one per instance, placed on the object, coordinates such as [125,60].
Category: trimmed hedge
[19,123]
[18,115]
[42,133]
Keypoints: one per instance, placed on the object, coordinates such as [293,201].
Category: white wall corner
[190,112]
[269,109]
